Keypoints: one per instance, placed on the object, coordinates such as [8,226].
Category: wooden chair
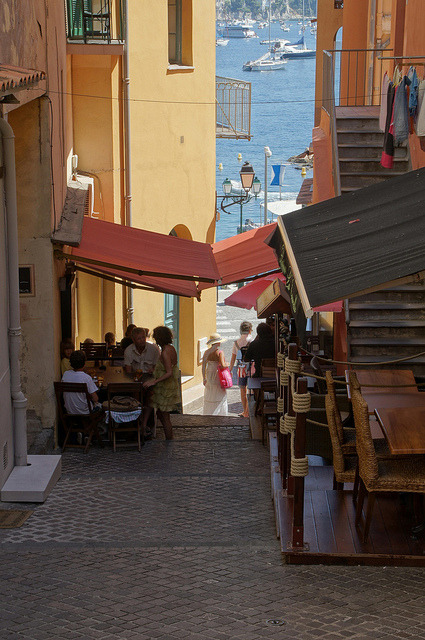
[267,406]
[135,390]
[393,474]
[96,351]
[318,371]
[268,368]
[77,423]
[346,435]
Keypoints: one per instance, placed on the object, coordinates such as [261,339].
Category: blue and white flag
[279,172]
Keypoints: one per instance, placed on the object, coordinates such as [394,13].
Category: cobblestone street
[179,542]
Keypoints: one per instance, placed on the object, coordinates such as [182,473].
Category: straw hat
[215,338]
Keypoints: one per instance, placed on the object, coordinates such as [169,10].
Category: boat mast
[270,19]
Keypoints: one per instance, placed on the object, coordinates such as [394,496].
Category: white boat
[267,62]
[221,42]
[297,50]
[240,31]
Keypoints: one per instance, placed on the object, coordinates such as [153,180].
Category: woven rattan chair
[345,465]
[346,435]
[394,475]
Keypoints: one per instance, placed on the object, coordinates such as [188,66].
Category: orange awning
[162,262]
[244,256]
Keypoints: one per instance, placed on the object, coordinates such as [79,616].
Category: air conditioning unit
[89,183]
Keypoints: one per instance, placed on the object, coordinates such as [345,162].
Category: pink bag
[225,377]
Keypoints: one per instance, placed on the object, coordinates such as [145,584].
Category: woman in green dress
[165,383]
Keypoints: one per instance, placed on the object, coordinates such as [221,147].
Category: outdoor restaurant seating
[123,423]
[393,474]
[267,406]
[96,351]
[88,424]
[344,463]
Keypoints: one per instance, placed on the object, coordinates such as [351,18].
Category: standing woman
[165,383]
[215,398]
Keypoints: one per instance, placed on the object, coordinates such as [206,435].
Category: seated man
[141,356]
[76,403]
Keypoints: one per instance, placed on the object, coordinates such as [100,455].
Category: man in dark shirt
[261,347]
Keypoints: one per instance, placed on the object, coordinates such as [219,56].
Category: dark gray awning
[361,241]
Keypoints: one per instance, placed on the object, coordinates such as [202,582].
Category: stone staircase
[360,143]
[386,324]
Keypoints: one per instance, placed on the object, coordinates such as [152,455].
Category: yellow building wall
[172,158]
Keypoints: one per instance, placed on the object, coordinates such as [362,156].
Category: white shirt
[144,361]
[77,402]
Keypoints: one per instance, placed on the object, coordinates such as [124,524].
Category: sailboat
[269,61]
[298,49]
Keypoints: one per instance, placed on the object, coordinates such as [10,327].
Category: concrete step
[358,123]
[396,296]
[348,136]
[396,333]
[352,181]
[386,304]
[390,341]
[370,165]
[367,150]
[379,322]
[380,314]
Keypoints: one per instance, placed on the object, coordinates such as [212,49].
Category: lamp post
[250,185]
[267,154]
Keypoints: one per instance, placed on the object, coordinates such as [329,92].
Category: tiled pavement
[179,542]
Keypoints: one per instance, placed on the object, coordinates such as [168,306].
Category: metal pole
[267,154]
[240,227]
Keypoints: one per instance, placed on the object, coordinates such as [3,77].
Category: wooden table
[383,377]
[404,429]
[110,374]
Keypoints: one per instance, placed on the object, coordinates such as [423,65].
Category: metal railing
[94,20]
[233,108]
[351,78]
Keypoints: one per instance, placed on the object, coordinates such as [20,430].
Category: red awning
[244,256]
[246,297]
[164,263]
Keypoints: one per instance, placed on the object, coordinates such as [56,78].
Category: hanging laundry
[387,157]
[414,86]
[401,112]
[396,76]
[420,113]
[384,97]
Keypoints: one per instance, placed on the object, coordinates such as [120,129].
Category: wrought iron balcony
[94,20]
[233,108]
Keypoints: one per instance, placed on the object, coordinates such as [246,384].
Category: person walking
[238,349]
[215,398]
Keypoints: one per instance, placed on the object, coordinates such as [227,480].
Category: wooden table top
[404,429]
[255,383]
[394,400]
[383,377]
[109,374]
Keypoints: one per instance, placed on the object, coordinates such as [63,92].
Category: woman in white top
[215,398]
[243,341]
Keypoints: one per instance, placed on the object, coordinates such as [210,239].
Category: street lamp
[250,185]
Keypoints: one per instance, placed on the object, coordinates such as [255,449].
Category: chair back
[133,389]
[330,385]
[116,353]
[70,387]
[368,463]
[94,350]
[337,454]
[268,368]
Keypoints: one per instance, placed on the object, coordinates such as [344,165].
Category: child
[66,349]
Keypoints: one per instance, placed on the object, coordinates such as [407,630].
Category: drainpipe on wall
[19,402]
[127,151]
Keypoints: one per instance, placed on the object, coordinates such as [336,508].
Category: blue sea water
[281,118]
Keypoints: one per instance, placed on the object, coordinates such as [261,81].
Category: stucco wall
[172,155]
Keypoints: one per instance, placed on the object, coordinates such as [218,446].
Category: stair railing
[328,104]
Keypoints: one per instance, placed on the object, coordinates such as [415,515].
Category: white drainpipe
[19,401]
